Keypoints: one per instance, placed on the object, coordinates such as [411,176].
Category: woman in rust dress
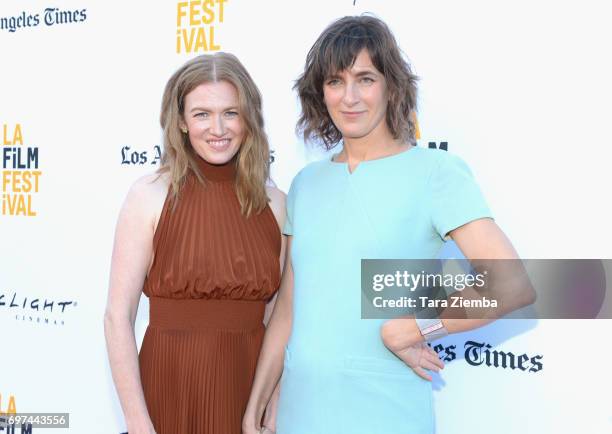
[201,239]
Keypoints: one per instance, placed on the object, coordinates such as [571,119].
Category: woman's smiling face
[213,121]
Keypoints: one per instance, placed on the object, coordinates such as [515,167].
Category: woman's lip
[219,144]
[352,113]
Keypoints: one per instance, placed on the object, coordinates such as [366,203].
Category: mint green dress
[338,376]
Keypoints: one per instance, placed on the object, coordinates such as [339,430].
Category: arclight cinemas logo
[37,310]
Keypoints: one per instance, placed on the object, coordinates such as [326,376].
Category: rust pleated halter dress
[212,274]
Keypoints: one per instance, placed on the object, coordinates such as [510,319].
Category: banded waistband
[202,313]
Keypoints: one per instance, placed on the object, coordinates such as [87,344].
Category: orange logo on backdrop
[11,408]
[417,130]
[195,25]
[19,181]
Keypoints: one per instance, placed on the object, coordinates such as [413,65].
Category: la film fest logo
[195,25]
[11,407]
[49,17]
[20,173]
[11,410]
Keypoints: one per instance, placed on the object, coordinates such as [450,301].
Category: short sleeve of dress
[288,227]
[456,198]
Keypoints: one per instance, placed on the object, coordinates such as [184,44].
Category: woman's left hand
[420,357]
[269,419]
[396,335]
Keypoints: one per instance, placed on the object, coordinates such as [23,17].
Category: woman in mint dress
[378,197]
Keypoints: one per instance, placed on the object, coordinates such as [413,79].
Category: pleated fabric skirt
[197,363]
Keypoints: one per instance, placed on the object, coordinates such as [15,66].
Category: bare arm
[271,357]
[277,205]
[132,256]
[483,239]
[479,239]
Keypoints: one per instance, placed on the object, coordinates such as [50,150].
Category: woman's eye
[202,115]
[231,114]
[367,80]
[333,82]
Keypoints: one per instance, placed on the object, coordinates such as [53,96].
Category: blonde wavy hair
[253,157]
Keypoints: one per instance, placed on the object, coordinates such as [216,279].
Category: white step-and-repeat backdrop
[519,89]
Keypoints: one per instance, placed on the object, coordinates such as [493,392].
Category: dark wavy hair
[335,50]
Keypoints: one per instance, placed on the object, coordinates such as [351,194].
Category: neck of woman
[370,147]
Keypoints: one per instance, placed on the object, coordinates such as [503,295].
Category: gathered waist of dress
[200,313]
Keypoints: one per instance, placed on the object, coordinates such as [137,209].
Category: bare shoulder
[277,198]
[146,197]
[151,185]
[275,194]
[277,203]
